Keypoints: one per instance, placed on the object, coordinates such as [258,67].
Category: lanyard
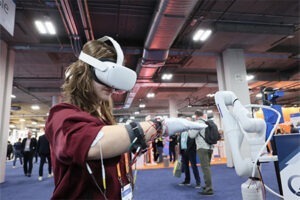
[127,170]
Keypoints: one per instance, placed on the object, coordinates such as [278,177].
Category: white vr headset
[114,75]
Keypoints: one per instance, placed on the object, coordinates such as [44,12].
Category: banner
[288,151]
[7,15]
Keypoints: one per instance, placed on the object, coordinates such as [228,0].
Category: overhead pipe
[168,20]
[68,13]
[70,25]
[86,20]
[89,20]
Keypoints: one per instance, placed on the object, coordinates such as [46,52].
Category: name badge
[126,192]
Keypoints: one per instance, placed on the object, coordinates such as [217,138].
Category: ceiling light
[12,126]
[205,35]
[12,96]
[136,112]
[202,35]
[198,34]
[45,27]
[210,95]
[34,123]
[40,26]
[35,107]
[167,76]
[142,105]
[50,28]
[249,77]
[150,95]
[22,120]
[132,117]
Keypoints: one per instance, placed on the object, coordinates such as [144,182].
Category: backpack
[212,134]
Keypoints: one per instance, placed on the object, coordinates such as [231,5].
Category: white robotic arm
[239,123]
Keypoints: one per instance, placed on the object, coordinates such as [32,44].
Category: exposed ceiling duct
[168,20]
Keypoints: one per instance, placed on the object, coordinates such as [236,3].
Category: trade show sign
[7,15]
[288,151]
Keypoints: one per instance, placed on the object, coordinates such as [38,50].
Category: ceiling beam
[258,28]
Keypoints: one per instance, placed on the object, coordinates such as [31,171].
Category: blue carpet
[150,184]
[160,184]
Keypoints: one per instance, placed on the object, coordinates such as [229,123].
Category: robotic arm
[238,124]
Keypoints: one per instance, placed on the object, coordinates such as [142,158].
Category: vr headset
[109,73]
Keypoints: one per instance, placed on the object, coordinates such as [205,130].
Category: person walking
[9,151]
[28,148]
[43,150]
[204,152]
[172,145]
[18,152]
[160,148]
[188,155]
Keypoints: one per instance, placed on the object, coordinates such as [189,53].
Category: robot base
[252,189]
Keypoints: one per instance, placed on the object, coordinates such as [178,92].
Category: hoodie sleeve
[70,133]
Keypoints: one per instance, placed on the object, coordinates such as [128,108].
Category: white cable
[270,136]
[273,192]
[102,166]
[266,143]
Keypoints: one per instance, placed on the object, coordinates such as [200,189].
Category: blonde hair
[78,87]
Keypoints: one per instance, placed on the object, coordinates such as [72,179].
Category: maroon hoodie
[70,132]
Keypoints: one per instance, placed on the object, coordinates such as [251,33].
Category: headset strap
[98,64]
[120,55]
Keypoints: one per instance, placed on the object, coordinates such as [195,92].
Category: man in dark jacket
[9,150]
[18,152]
[43,150]
[172,145]
[28,148]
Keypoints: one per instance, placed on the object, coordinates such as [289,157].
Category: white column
[173,109]
[22,125]
[231,74]
[7,59]
[56,100]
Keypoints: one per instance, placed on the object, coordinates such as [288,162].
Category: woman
[87,146]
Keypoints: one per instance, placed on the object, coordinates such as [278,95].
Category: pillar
[173,109]
[56,100]
[231,74]
[7,58]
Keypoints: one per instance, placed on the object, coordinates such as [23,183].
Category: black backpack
[212,134]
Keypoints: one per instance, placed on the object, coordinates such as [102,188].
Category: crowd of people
[26,150]
[189,146]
